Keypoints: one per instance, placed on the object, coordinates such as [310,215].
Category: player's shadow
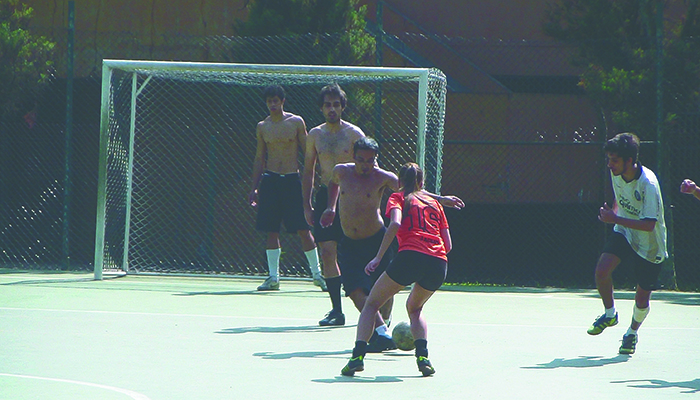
[279,329]
[268,355]
[581,362]
[692,386]
[363,379]
[247,292]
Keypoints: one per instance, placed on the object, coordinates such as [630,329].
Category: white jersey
[641,199]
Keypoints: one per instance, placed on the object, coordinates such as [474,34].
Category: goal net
[177,142]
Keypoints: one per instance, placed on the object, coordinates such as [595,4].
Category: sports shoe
[271,283]
[354,365]
[378,343]
[333,318]
[320,282]
[629,343]
[601,323]
[424,366]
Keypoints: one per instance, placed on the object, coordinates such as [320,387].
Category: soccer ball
[402,336]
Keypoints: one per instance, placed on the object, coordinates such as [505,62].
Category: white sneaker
[320,282]
[271,283]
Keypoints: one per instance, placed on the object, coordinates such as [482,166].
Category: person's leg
[383,289]
[419,328]
[311,253]
[329,257]
[603,278]
[604,283]
[272,252]
[641,308]
[639,313]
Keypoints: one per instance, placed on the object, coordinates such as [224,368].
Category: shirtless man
[276,187]
[327,145]
[357,189]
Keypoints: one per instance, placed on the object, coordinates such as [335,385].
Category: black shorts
[334,232]
[280,201]
[645,272]
[411,266]
[353,256]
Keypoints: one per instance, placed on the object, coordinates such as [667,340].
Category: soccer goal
[177,142]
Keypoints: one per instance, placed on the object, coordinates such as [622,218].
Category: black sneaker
[354,365]
[629,343]
[333,318]
[424,366]
[378,343]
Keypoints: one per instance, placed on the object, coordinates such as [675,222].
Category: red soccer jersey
[420,226]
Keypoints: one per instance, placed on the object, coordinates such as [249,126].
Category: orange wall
[502,19]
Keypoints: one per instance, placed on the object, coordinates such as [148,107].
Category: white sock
[273,261]
[312,258]
[631,331]
[610,312]
[383,331]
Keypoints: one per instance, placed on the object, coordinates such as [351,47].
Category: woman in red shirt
[419,223]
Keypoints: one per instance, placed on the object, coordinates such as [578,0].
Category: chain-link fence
[523,148]
[180,146]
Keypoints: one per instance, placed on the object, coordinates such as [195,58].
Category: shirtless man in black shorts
[276,185]
[327,145]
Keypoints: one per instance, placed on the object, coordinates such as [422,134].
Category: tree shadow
[692,386]
[677,298]
[280,329]
[581,362]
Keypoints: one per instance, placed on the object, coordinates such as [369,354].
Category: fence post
[378,53]
[668,269]
[67,182]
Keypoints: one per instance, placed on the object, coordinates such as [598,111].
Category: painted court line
[666,328]
[130,393]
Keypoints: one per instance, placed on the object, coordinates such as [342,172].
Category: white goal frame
[135,67]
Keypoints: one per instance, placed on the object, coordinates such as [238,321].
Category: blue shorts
[280,201]
[645,271]
[353,256]
[411,266]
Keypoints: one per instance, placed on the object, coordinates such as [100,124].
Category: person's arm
[307,182]
[258,166]
[689,187]
[447,201]
[446,238]
[333,193]
[389,235]
[608,215]
[301,134]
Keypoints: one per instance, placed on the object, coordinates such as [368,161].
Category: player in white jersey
[638,238]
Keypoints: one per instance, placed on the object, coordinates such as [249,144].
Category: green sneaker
[354,365]
[271,283]
[629,343]
[424,366]
[601,323]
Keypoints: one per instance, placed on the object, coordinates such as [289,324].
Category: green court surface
[66,336]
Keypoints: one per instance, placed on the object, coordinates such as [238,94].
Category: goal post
[177,142]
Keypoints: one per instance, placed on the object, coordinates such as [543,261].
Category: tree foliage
[616,41]
[297,17]
[24,59]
